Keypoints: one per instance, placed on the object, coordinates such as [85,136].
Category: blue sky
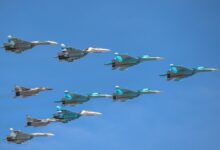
[184,116]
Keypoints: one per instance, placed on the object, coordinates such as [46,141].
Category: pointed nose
[89,113]
[159,58]
[212,69]
[98,50]
[209,69]
[156,91]
[52,42]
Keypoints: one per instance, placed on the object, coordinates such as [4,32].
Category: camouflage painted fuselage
[179,72]
[124,61]
[66,116]
[18,137]
[17,46]
[123,95]
[71,54]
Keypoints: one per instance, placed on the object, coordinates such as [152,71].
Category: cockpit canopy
[118,58]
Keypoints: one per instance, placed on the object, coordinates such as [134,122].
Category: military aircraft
[122,94]
[25,92]
[70,54]
[65,116]
[74,99]
[123,61]
[39,122]
[19,137]
[18,45]
[179,72]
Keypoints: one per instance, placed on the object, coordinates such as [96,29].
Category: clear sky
[185,116]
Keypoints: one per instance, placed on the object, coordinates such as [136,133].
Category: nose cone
[46,89]
[50,134]
[148,58]
[211,69]
[159,58]
[97,50]
[155,91]
[89,113]
[148,91]
[52,42]
[206,69]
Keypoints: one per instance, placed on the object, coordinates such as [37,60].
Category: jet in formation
[179,72]
[25,92]
[38,122]
[62,115]
[123,61]
[123,94]
[19,137]
[70,54]
[74,99]
[18,45]
[65,116]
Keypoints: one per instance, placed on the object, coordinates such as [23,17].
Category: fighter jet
[123,61]
[74,99]
[39,122]
[179,72]
[122,94]
[70,54]
[19,137]
[65,116]
[18,45]
[25,92]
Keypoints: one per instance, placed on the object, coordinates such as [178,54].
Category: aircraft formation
[70,54]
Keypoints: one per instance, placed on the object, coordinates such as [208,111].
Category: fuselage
[66,116]
[74,101]
[19,139]
[36,122]
[11,46]
[125,96]
[71,55]
[179,75]
[117,64]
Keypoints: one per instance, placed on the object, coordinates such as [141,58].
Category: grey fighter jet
[177,72]
[70,54]
[62,115]
[38,122]
[74,98]
[18,45]
[123,61]
[65,116]
[25,92]
[19,137]
[122,94]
